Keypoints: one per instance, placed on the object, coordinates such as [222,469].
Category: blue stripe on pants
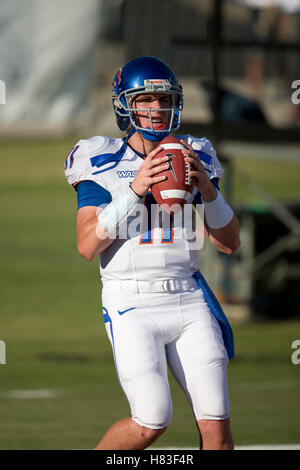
[218,313]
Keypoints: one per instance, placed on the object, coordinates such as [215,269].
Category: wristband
[218,214]
[140,197]
[118,210]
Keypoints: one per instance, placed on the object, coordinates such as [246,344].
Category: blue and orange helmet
[146,74]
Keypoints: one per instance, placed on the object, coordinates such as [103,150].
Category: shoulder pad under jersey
[87,155]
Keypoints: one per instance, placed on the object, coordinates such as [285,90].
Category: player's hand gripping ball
[174,191]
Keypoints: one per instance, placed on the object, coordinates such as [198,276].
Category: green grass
[52,325]
[279,179]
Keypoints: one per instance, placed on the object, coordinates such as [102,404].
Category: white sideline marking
[250,447]
[47,393]
[270,447]
[30,394]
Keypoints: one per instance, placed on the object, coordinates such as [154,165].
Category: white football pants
[149,331]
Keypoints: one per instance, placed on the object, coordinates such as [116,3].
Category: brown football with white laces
[174,191]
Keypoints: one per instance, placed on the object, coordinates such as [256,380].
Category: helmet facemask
[123,108]
[155,122]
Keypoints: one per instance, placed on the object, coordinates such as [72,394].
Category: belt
[168,285]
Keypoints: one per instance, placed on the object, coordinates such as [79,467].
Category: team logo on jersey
[126,173]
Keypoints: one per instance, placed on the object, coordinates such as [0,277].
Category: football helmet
[146,75]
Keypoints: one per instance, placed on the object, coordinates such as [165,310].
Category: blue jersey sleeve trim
[204,156]
[90,193]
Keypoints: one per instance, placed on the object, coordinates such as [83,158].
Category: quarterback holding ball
[158,309]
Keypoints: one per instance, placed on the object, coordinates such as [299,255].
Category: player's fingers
[191,159]
[189,151]
[150,161]
[191,156]
[194,161]
[196,174]
[189,147]
[149,164]
[158,178]
[152,154]
[159,161]
[158,168]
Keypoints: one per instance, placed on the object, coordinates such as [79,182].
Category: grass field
[55,339]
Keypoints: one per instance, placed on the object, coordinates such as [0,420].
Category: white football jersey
[149,253]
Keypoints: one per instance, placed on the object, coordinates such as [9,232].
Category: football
[175,191]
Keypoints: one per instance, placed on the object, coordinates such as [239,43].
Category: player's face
[156,103]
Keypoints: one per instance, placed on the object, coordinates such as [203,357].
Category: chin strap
[126,139]
[152,135]
[130,134]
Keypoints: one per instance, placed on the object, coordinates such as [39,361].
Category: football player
[158,310]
